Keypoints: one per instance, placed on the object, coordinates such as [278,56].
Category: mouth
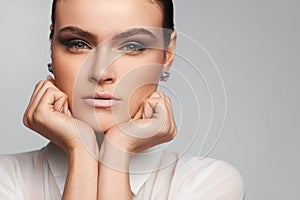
[101,100]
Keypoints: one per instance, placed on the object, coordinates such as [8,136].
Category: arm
[82,176]
[153,124]
[48,115]
[113,173]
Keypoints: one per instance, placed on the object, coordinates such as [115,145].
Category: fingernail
[48,77]
[69,113]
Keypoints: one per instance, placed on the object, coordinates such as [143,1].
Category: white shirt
[41,174]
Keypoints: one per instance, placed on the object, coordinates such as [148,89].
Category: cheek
[65,71]
[138,78]
[65,82]
[137,85]
[138,96]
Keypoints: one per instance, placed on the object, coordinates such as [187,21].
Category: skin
[143,119]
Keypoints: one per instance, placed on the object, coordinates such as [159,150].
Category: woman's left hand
[153,124]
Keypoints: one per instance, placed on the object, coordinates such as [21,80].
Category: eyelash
[137,48]
[72,46]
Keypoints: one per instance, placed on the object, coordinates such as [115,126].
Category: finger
[161,94]
[139,113]
[36,89]
[52,99]
[40,93]
[51,79]
[159,108]
[60,104]
[66,107]
[149,107]
[169,106]
[156,94]
[39,85]
[70,113]
[148,111]
[171,115]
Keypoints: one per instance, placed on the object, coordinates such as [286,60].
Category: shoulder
[14,165]
[14,168]
[10,176]
[11,162]
[208,178]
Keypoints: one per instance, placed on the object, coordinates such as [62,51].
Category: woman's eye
[76,46]
[133,47]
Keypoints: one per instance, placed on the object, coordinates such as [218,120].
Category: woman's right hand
[48,114]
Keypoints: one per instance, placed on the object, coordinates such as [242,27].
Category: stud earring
[164,76]
[50,68]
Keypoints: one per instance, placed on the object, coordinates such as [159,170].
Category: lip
[101,100]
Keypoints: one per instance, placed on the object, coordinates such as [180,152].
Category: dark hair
[166,7]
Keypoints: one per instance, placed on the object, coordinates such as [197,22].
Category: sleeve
[206,179]
[9,186]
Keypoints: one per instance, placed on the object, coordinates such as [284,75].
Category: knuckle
[49,90]
[161,101]
[37,116]
[168,98]
[155,95]
[175,131]
[160,93]
[48,83]
[64,96]
[28,121]
[166,128]
[25,120]
[172,136]
[41,82]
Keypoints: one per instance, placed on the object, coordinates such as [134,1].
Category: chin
[101,125]
[102,121]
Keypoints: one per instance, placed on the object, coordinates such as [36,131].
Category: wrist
[114,157]
[118,140]
[82,150]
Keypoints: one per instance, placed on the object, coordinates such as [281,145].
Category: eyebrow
[79,31]
[133,32]
[93,37]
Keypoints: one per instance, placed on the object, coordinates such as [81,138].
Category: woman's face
[107,57]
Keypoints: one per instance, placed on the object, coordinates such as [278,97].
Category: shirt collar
[140,167]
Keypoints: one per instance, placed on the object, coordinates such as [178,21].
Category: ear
[169,52]
[51,27]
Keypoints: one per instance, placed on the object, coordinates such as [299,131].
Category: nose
[102,70]
[103,76]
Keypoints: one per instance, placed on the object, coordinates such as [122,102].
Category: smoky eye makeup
[74,44]
[135,41]
[134,45]
[131,42]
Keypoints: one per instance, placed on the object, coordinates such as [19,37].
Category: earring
[50,68]
[164,76]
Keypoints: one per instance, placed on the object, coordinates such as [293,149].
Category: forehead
[108,16]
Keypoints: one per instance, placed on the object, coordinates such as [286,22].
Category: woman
[101,112]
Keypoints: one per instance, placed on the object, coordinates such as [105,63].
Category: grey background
[256,46]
